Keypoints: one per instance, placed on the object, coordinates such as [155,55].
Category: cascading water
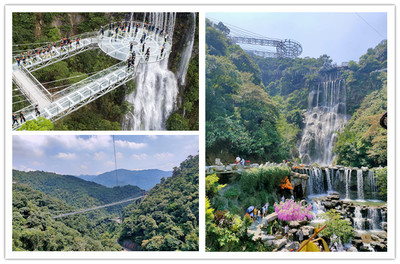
[317,210]
[358,219]
[156,93]
[372,182]
[315,183]
[328,179]
[373,219]
[186,52]
[360,185]
[326,114]
[347,176]
[154,98]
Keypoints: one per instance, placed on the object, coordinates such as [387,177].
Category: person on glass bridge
[77,42]
[22,117]
[162,51]
[147,54]
[131,47]
[15,120]
[18,62]
[143,46]
[102,31]
[37,110]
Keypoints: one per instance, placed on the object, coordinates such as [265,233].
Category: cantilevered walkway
[117,44]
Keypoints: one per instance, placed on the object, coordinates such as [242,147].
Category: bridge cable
[115,162]
[369,25]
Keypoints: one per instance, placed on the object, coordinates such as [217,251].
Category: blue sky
[343,36]
[76,155]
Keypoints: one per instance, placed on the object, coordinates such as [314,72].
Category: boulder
[294,224]
[279,243]
[271,217]
[285,250]
[228,168]
[218,162]
[380,247]
[353,249]
[384,226]
[357,243]
[382,235]
[307,231]
[219,168]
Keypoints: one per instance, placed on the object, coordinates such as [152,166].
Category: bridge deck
[98,207]
[30,88]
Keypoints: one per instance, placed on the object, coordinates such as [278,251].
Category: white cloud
[36,163]
[130,144]
[152,137]
[164,155]
[139,156]
[110,163]
[99,156]
[77,142]
[120,155]
[24,168]
[66,156]
[83,167]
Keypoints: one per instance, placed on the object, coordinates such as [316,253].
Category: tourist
[292,197]
[242,161]
[147,54]
[283,198]
[144,44]
[286,230]
[162,51]
[258,216]
[131,47]
[22,117]
[15,120]
[37,110]
[255,213]
[18,62]
[102,31]
[165,38]
[77,42]
[23,59]
[300,233]
[266,208]
[263,211]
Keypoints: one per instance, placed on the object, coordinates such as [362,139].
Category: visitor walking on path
[18,62]
[15,120]
[300,234]
[37,110]
[258,216]
[283,198]
[22,117]
[102,31]
[286,230]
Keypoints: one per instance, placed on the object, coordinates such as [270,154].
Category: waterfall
[347,176]
[317,210]
[373,218]
[358,219]
[315,183]
[186,52]
[360,185]
[154,98]
[326,114]
[328,179]
[372,182]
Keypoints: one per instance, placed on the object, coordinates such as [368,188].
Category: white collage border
[202,10]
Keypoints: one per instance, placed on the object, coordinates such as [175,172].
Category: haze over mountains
[144,179]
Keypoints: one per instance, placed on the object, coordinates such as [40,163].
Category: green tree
[39,124]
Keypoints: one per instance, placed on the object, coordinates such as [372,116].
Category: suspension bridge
[98,207]
[259,45]
[117,43]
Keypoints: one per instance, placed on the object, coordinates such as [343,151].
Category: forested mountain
[168,217]
[34,229]
[255,106]
[144,179]
[74,191]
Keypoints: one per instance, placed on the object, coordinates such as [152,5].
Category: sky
[342,36]
[93,155]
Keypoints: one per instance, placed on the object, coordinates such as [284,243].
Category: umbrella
[250,209]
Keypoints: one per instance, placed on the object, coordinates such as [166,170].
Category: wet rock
[307,231]
[380,247]
[271,217]
[294,224]
[357,243]
[382,235]
[353,249]
[279,243]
